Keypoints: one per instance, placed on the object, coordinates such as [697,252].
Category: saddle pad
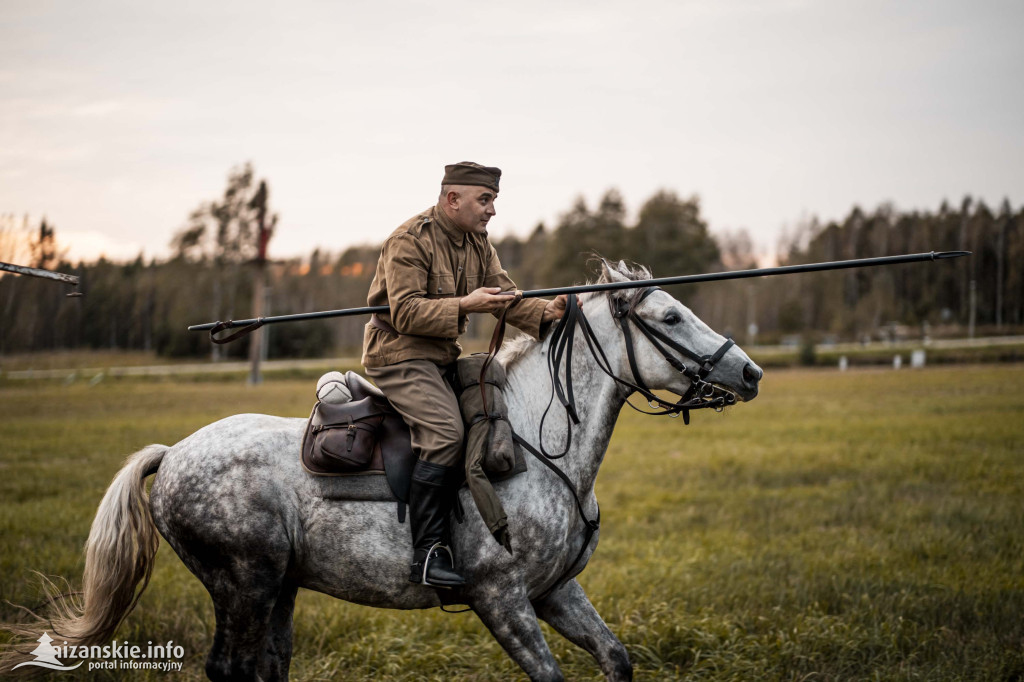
[363,488]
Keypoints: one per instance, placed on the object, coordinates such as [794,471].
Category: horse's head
[673,329]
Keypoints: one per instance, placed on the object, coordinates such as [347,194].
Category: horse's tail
[119,555]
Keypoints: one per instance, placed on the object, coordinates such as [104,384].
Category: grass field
[867,525]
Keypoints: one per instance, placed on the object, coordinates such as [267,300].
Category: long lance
[255,323]
[39,272]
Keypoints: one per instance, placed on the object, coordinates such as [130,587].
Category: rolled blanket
[490,451]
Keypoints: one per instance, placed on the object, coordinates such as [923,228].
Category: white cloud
[88,245]
[100,108]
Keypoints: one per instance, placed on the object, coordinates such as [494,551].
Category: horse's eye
[673,318]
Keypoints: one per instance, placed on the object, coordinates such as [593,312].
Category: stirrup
[437,546]
[430,555]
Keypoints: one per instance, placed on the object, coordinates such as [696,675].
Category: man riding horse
[434,270]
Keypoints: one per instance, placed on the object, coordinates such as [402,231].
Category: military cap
[469,173]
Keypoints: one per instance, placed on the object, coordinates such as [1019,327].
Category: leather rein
[700,394]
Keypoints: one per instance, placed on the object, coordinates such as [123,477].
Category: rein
[700,394]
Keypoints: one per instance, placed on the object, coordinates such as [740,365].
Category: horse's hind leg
[568,611]
[511,619]
[244,601]
[277,654]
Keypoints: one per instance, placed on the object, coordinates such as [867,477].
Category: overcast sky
[118,118]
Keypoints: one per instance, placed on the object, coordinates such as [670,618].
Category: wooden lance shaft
[256,323]
[39,272]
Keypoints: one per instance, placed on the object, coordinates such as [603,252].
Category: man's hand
[554,309]
[485,300]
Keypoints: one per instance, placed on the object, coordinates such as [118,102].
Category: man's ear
[451,198]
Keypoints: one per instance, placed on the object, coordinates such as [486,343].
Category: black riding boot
[430,501]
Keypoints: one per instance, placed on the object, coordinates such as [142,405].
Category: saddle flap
[399,458]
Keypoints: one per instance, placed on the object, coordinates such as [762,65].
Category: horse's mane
[514,349]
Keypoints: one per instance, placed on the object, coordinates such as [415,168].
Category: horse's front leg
[568,611]
[508,614]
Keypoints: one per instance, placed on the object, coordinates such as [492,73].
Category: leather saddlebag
[342,437]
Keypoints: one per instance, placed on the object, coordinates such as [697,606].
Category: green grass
[866,525]
[826,356]
[80,359]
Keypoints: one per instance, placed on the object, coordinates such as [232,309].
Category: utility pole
[1004,222]
[751,316]
[259,280]
[966,269]
[973,317]
[265,350]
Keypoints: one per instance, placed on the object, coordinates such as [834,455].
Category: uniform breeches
[418,391]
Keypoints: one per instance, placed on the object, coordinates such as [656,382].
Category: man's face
[473,207]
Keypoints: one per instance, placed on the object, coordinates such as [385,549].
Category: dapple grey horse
[253,526]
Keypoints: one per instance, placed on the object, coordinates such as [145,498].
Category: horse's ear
[612,273]
[636,272]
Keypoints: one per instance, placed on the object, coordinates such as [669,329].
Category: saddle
[351,444]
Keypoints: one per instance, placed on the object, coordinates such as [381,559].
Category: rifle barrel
[632,284]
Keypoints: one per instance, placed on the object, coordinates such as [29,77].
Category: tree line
[147,305]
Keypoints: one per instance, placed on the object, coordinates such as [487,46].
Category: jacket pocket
[440,285]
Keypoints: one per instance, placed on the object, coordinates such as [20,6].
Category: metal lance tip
[949,254]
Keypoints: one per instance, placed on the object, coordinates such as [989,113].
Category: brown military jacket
[425,266]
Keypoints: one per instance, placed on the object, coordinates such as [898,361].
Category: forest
[147,304]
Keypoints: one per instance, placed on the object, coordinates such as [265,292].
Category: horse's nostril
[751,374]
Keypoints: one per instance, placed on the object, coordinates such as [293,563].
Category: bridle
[701,393]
